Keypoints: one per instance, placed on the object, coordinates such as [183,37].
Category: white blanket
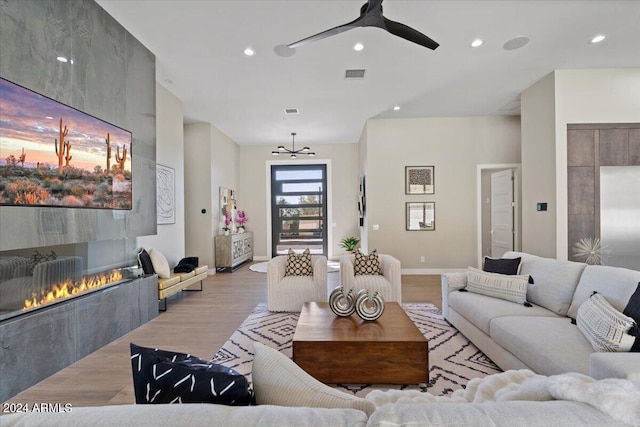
[618,398]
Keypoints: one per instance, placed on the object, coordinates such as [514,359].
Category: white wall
[170,238]
[211,160]
[560,98]
[252,192]
[455,146]
[538,167]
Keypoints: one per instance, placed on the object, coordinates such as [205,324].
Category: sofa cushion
[547,345]
[616,284]
[605,327]
[161,376]
[481,309]
[510,288]
[277,380]
[366,265]
[497,414]
[554,283]
[509,266]
[160,264]
[188,415]
[299,265]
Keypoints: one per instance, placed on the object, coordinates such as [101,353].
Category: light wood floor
[195,322]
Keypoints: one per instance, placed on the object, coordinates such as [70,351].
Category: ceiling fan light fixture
[293,156]
[477,43]
[598,39]
[274,153]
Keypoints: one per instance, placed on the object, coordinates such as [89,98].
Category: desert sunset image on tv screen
[54,155]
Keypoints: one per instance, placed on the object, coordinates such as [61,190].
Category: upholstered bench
[177,282]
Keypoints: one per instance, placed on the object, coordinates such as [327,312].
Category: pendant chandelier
[293,152]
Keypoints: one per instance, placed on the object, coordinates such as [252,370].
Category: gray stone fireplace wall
[109,75]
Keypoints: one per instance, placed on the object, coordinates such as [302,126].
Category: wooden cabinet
[233,250]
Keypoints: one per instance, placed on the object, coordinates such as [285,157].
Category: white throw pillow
[506,287]
[160,264]
[277,380]
[605,327]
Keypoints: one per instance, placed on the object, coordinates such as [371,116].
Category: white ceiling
[199,52]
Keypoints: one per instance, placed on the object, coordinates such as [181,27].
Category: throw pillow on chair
[299,265]
[366,265]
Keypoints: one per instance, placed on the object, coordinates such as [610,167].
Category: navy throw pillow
[633,310]
[508,266]
[145,262]
[161,376]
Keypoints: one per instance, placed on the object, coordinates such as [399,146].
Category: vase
[240,230]
[227,232]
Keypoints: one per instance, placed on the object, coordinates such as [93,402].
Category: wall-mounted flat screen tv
[54,155]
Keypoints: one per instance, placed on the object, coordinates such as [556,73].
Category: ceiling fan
[371,16]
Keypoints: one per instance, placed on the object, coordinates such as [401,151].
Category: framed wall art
[165,194]
[419,180]
[421,216]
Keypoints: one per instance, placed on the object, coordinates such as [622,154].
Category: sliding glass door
[298,208]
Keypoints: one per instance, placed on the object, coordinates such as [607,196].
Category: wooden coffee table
[349,350]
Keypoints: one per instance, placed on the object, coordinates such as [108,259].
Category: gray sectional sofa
[542,337]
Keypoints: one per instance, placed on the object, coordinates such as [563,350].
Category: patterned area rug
[453,360]
[261,267]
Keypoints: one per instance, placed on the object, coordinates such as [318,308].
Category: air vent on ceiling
[354,74]
[291,111]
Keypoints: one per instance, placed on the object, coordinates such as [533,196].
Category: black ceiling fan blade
[372,5]
[410,34]
[328,33]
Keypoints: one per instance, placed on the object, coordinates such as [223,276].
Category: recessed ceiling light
[516,43]
[61,59]
[477,43]
[396,108]
[358,47]
[598,38]
[249,52]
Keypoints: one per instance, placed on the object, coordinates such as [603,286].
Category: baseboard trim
[430,271]
[261,258]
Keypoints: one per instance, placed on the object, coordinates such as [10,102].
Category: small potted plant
[227,223]
[349,243]
[241,219]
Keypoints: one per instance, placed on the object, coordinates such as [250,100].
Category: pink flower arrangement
[227,221]
[241,219]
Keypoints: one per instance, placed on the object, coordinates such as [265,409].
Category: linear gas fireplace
[60,303]
[44,279]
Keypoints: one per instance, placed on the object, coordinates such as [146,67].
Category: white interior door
[502,213]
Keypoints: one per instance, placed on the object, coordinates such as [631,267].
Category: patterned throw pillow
[510,288]
[161,376]
[605,327]
[367,265]
[299,265]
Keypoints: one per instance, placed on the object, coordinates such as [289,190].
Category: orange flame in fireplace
[69,288]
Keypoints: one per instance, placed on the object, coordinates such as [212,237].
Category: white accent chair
[288,293]
[389,285]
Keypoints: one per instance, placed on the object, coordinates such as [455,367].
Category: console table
[233,250]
